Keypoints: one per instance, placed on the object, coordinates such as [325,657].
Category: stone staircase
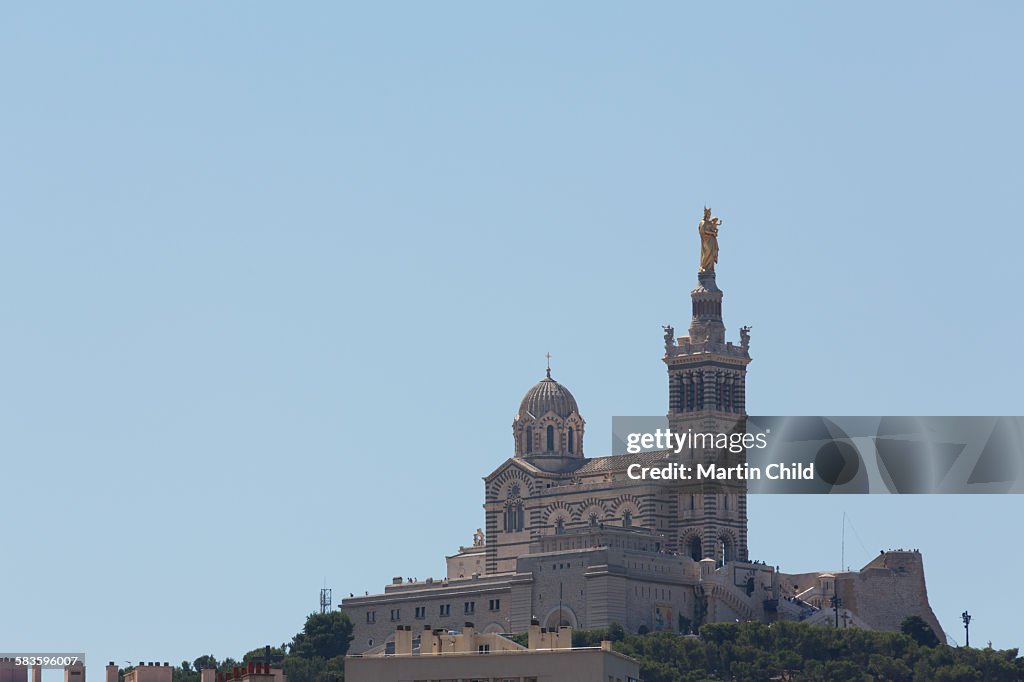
[739,604]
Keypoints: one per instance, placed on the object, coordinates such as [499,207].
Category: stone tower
[706,380]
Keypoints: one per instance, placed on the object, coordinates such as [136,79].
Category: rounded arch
[514,515]
[690,544]
[500,488]
[494,628]
[627,507]
[558,516]
[726,546]
[574,424]
[556,618]
[593,512]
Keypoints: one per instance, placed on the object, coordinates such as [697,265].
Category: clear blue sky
[275,278]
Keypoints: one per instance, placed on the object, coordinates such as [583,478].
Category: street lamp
[966,618]
[836,601]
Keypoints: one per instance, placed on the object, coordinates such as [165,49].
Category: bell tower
[707,395]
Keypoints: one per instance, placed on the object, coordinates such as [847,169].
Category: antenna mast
[842,562]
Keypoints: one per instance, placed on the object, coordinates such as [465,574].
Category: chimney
[112,672]
[563,638]
[467,642]
[533,638]
[429,642]
[403,641]
[208,674]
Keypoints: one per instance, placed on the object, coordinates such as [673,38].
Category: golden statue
[708,230]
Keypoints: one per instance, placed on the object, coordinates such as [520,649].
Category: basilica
[574,540]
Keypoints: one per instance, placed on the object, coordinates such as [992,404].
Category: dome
[547,396]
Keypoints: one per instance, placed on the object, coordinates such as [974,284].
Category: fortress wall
[889,589]
[803,580]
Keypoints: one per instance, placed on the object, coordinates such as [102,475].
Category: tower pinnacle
[707,389]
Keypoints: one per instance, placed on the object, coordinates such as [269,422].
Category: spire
[548,355]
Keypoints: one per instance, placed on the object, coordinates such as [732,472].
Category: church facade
[572,540]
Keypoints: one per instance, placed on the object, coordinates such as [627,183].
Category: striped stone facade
[575,541]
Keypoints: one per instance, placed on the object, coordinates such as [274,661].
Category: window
[559,526]
[484,649]
[446,610]
[529,440]
[371,616]
[572,434]
[513,518]
[495,604]
[627,519]
[421,612]
[396,614]
[469,607]
[551,439]
[593,520]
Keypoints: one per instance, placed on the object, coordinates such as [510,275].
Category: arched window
[513,518]
[560,526]
[571,444]
[728,551]
[551,438]
[627,519]
[529,440]
[593,520]
[695,549]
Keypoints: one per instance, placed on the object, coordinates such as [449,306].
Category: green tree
[919,631]
[184,673]
[889,669]
[299,669]
[277,654]
[325,635]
